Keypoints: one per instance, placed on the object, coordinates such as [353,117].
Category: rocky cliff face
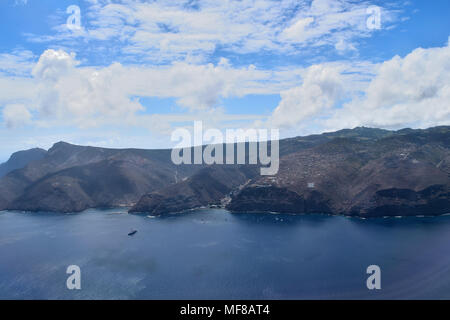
[268,198]
[365,172]
[406,173]
[73,178]
[207,187]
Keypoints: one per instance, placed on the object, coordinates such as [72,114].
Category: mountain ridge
[351,176]
[20,159]
[351,170]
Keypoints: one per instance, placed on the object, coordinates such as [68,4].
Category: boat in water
[132,233]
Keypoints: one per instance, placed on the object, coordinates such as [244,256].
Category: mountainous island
[358,172]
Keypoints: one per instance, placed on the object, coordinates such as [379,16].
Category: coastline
[193,210]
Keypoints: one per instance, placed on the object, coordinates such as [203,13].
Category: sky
[127,73]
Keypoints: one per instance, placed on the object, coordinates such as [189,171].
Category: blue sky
[133,71]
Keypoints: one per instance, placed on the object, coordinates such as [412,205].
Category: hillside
[20,160]
[361,171]
[74,178]
[364,172]
[407,173]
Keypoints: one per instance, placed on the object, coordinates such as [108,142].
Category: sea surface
[213,254]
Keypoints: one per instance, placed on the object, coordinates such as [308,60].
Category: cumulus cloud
[15,115]
[410,91]
[405,91]
[52,64]
[83,95]
[321,88]
[60,90]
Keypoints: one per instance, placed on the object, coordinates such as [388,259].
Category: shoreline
[187,211]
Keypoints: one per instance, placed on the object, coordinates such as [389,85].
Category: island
[364,172]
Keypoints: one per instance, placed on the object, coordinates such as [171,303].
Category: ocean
[215,254]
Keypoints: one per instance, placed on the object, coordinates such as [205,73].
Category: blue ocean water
[213,254]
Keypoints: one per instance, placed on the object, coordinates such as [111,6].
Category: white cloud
[413,91]
[322,87]
[166,31]
[20,2]
[410,91]
[16,89]
[15,115]
[83,95]
[18,63]
[59,90]
[53,64]
[297,30]
[343,46]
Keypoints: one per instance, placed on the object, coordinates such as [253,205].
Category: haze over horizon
[136,70]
